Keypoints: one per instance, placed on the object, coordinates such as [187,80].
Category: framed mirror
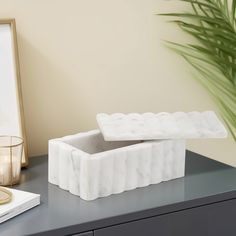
[11,106]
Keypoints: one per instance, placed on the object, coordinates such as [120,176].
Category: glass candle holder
[10,159]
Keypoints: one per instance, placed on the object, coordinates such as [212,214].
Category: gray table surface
[62,213]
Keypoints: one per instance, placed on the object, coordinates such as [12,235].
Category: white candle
[8,173]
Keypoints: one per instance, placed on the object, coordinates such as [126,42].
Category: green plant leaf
[212,23]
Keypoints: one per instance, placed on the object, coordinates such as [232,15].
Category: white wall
[81,57]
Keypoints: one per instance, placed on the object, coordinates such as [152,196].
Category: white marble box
[162,125]
[90,167]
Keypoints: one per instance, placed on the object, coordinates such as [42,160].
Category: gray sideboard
[202,203]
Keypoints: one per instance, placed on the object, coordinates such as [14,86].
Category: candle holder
[10,160]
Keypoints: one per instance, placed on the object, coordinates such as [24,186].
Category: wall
[81,57]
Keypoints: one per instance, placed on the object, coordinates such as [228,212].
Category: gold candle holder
[10,160]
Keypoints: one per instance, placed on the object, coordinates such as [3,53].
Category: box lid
[150,126]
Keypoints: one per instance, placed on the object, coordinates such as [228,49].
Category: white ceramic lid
[150,126]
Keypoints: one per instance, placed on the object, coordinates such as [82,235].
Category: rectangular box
[90,167]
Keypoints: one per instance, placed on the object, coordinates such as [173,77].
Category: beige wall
[81,57]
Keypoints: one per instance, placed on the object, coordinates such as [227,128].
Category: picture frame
[11,103]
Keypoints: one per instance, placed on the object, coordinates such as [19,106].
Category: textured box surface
[148,126]
[90,167]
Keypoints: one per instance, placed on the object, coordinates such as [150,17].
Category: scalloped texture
[110,171]
[150,126]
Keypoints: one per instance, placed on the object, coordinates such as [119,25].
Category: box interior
[95,143]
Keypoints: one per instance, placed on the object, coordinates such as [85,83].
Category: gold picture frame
[11,106]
